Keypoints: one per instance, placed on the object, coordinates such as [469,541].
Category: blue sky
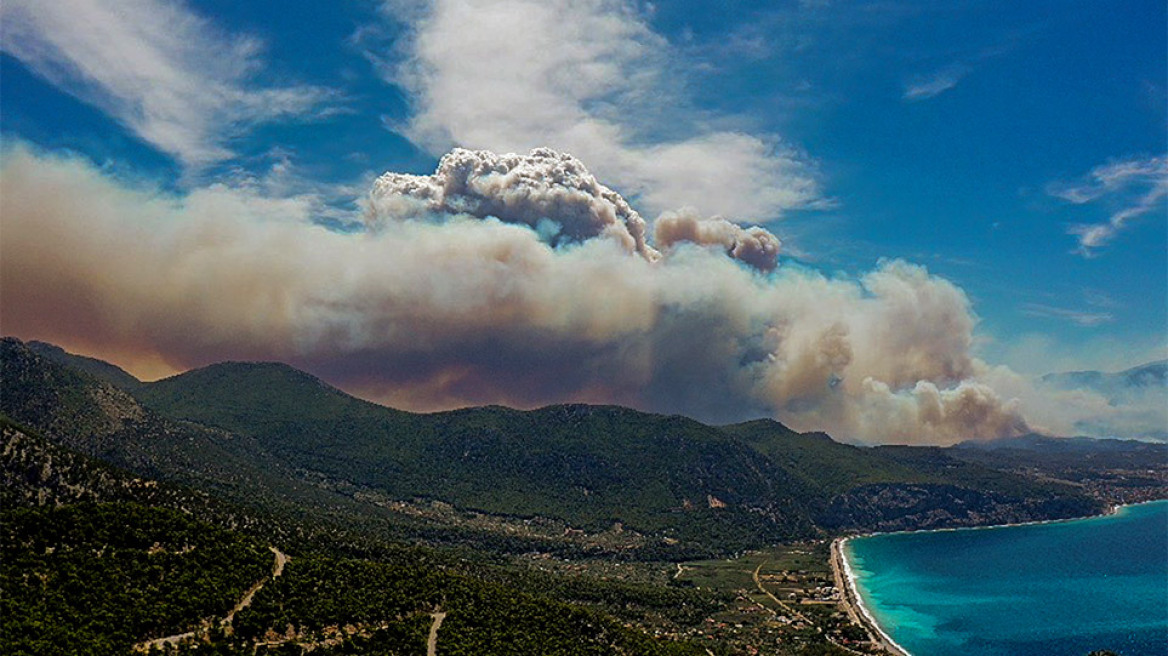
[1017,150]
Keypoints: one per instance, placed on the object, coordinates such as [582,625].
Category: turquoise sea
[1063,588]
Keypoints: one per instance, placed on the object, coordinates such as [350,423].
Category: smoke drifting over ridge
[438,304]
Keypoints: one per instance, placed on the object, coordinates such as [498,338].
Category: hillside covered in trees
[135,511]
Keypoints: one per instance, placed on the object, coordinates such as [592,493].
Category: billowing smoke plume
[754,246]
[549,191]
[430,312]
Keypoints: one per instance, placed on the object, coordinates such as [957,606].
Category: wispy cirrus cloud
[923,87]
[1133,187]
[172,77]
[1081,317]
[934,85]
[1099,299]
[590,77]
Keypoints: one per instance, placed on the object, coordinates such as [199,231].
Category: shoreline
[854,604]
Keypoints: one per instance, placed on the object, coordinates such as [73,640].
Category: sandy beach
[850,598]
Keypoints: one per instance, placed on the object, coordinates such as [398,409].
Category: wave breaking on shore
[851,598]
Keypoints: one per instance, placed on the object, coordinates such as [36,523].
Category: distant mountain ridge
[101,369]
[1048,443]
[1148,375]
[673,480]
[1138,400]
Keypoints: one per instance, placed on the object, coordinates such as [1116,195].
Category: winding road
[432,642]
[277,569]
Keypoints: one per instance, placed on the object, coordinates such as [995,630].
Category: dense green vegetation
[270,435]
[38,473]
[736,486]
[823,467]
[76,410]
[901,487]
[316,594]
[95,579]
[589,465]
[98,578]
[634,602]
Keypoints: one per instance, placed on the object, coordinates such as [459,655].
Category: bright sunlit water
[1037,590]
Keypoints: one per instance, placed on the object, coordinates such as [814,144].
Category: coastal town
[786,599]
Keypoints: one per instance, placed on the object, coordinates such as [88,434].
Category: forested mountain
[591,466]
[904,488]
[680,482]
[100,369]
[595,465]
[160,501]
[96,579]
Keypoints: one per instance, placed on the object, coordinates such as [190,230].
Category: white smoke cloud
[545,190]
[755,246]
[589,77]
[431,314]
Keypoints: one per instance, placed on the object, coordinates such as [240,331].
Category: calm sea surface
[1039,590]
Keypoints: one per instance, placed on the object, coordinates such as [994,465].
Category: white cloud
[1080,317]
[1110,178]
[588,77]
[935,84]
[169,75]
[1135,187]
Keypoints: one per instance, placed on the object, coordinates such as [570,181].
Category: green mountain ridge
[670,478]
[593,466]
[110,373]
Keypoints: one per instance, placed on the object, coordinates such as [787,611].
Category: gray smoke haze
[428,312]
